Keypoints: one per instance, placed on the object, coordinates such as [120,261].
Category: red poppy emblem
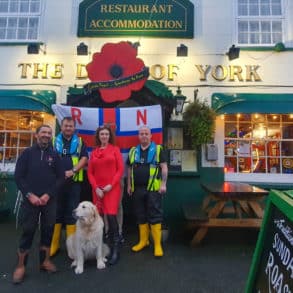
[116,71]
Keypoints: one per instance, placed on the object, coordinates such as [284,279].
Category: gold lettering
[235,70]
[251,72]
[40,68]
[93,24]
[157,71]
[171,71]
[202,72]
[103,8]
[219,72]
[57,74]
[24,67]
[80,71]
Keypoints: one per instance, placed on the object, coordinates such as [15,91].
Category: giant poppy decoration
[116,72]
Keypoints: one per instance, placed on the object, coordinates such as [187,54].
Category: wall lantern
[182,51]
[82,49]
[180,100]
[233,53]
[34,48]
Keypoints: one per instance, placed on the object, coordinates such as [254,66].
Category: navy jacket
[39,171]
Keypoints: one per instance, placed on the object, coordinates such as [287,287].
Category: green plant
[200,122]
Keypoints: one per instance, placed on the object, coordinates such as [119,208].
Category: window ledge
[24,43]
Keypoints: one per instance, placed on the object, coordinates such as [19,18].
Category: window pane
[13,6]
[35,6]
[242,8]
[276,26]
[265,8]
[277,38]
[4,6]
[243,26]
[287,148]
[243,38]
[266,38]
[22,23]
[254,26]
[287,131]
[276,10]
[24,6]
[254,38]
[265,26]
[253,9]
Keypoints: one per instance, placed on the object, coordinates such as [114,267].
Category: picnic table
[227,204]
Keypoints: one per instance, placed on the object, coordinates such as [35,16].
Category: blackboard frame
[284,203]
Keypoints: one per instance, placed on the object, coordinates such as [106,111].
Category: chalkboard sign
[272,264]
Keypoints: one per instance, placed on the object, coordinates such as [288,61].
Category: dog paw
[101,265]
[73,264]
[78,270]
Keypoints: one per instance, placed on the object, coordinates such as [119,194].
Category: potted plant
[200,122]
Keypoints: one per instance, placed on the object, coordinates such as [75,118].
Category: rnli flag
[125,121]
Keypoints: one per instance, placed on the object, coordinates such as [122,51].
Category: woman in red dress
[105,169]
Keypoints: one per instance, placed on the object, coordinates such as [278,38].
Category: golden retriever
[87,241]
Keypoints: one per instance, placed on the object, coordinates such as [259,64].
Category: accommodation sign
[142,18]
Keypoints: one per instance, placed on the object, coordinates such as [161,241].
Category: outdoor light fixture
[182,51]
[82,49]
[180,100]
[33,48]
[233,53]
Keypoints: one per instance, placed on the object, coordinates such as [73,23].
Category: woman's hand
[99,192]
[107,188]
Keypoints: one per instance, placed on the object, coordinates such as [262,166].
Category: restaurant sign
[143,18]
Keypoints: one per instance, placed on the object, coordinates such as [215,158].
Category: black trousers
[147,206]
[30,217]
[68,200]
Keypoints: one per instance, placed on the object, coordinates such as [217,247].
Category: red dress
[106,167]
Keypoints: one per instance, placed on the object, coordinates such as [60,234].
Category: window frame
[259,18]
[268,175]
[23,16]
[35,118]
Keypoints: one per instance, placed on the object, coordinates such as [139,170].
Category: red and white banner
[126,121]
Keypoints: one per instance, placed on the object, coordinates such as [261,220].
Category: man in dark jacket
[38,173]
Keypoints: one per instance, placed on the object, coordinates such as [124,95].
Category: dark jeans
[68,200]
[147,206]
[29,218]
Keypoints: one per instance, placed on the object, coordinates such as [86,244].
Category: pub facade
[235,55]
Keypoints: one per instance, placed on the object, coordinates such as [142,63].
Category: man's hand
[44,199]
[69,174]
[34,200]
[129,191]
[163,188]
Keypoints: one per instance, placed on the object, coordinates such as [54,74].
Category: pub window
[19,20]
[258,143]
[259,22]
[17,132]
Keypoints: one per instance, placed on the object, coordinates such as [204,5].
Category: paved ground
[220,264]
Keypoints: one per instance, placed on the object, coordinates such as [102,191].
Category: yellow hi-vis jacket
[76,144]
[154,182]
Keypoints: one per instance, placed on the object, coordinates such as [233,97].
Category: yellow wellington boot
[144,233]
[55,243]
[70,229]
[156,230]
